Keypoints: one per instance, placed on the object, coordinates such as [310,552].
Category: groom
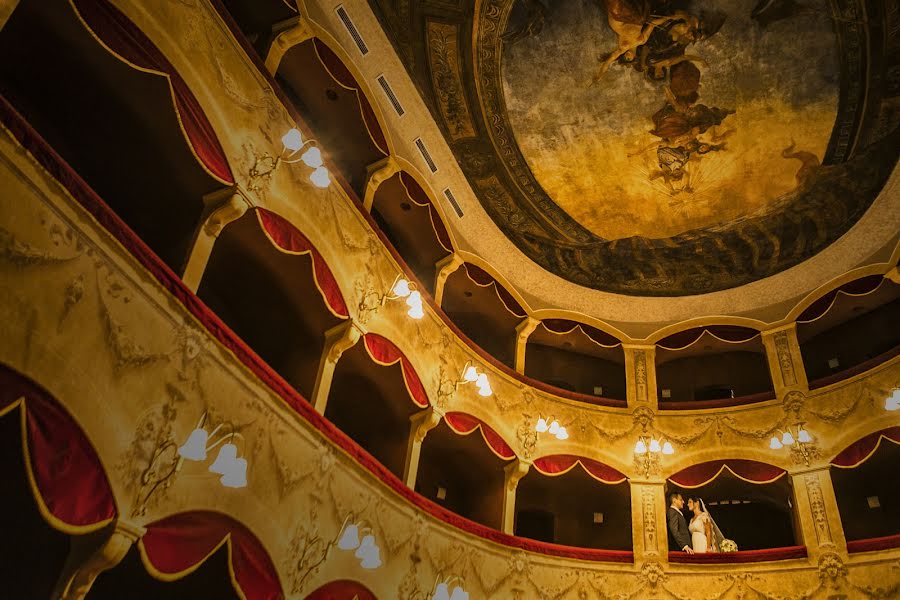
[679,537]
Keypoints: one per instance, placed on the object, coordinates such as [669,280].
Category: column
[289,33]
[515,471]
[378,173]
[523,332]
[338,339]
[222,208]
[785,360]
[419,426]
[816,511]
[444,268]
[650,538]
[92,554]
[640,375]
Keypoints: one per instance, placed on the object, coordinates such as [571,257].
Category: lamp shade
[401,288]
[224,460]
[470,374]
[312,158]
[441,592]
[236,477]
[668,449]
[893,401]
[787,439]
[371,558]
[482,380]
[640,447]
[195,446]
[350,538]
[459,594]
[368,542]
[541,426]
[654,445]
[320,177]
[775,443]
[803,436]
[416,312]
[414,299]
[292,140]
[485,390]
[562,434]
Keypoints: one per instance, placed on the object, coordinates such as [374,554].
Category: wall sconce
[647,452]
[366,550]
[471,375]
[441,590]
[798,441]
[403,288]
[292,143]
[892,402]
[554,428]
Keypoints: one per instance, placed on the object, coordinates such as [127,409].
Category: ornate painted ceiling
[662,147]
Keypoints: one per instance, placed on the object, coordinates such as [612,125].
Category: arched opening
[867,488]
[114,124]
[332,103]
[484,311]
[850,330]
[270,299]
[404,213]
[261,20]
[575,507]
[463,474]
[576,357]
[751,502]
[371,403]
[709,364]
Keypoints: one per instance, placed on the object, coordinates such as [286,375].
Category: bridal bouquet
[728,546]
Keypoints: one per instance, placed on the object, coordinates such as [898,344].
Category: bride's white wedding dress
[698,534]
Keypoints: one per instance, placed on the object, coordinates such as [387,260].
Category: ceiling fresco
[662,147]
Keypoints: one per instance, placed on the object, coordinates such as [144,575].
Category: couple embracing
[702,535]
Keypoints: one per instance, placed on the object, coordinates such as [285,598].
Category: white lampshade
[415,298]
[482,380]
[470,374]
[654,445]
[554,427]
[292,140]
[485,390]
[787,439]
[401,288]
[350,538]
[224,460]
[441,592]
[775,443]
[371,559]
[803,436]
[313,158]
[416,312]
[892,402]
[562,434]
[236,477]
[459,594]
[368,542]
[640,447]
[195,446]
[541,426]
[320,177]
[668,449]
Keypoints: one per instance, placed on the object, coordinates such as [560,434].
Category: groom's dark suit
[679,536]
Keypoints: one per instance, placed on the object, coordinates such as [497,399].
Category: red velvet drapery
[288,238]
[857,287]
[563,463]
[384,352]
[750,471]
[886,542]
[484,279]
[343,589]
[418,195]
[341,74]
[125,40]
[464,424]
[742,556]
[565,326]
[176,545]
[68,481]
[863,449]
[728,333]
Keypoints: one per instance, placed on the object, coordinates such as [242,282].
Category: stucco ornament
[652,575]
[831,570]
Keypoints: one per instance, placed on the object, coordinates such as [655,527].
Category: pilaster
[893,275]
[648,521]
[289,33]
[514,471]
[445,267]
[785,360]
[640,375]
[419,426]
[816,511]
[523,332]
[222,207]
[338,340]
[378,173]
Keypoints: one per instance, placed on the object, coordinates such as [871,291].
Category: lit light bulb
[225,459]
[414,299]
[371,559]
[195,446]
[654,445]
[416,312]
[368,543]
[485,390]
[668,449]
[482,381]
[441,592]
[554,427]
[350,539]
[320,177]
[775,443]
[803,436]
[541,426]
[470,374]
[292,140]
[236,477]
[313,158]
[892,402]
[401,288]
[562,434]
[787,439]
[640,447]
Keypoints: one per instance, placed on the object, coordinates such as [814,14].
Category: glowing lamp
[292,140]
[654,445]
[775,443]
[236,477]
[350,538]
[195,447]
[640,447]
[803,436]
[224,461]
[668,449]
[401,288]
[313,158]
[320,177]
[787,439]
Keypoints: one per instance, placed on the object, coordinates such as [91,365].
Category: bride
[705,534]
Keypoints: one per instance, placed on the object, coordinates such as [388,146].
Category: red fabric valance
[566,326]
[873,544]
[384,352]
[728,333]
[177,545]
[863,449]
[343,589]
[67,479]
[288,238]
[464,424]
[857,287]
[563,463]
[741,556]
[418,195]
[750,471]
[341,74]
[484,279]
[124,39]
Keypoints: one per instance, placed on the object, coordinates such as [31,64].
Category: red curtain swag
[124,39]
[384,352]
[741,556]
[750,471]
[341,74]
[874,544]
[728,333]
[598,336]
[464,424]
[484,279]
[66,477]
[343,589]
[177,545]
[288,239]
[863,449]
[563,463]
[418,195]
[857,287]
